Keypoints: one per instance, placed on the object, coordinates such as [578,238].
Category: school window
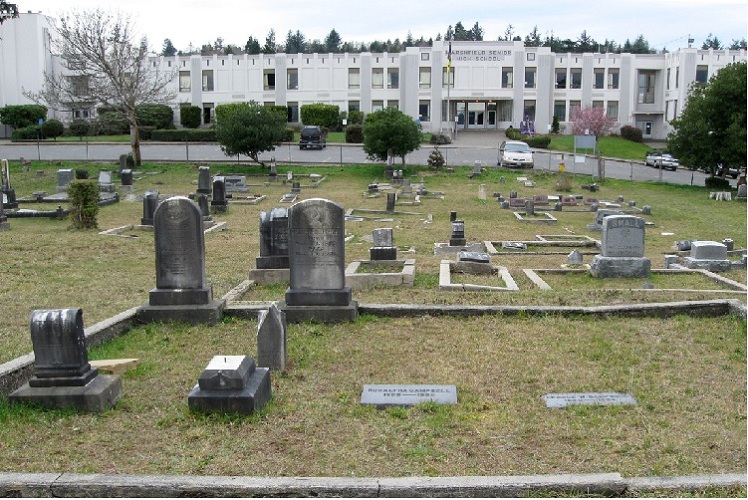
[354,78]
[292,79]
[377,106]
[424,78]
[598,104]
[612,110]
[78,84]
[599,78]
[268,79]
[574,105]
[561,78]
[393,78]
[448,78]
[559,110]
[613,75]
[354,106]
[393,104]
[530,78]
[184,81]
[424,111]
[576,78]
[529,109]
[702,74]
[646,87]
[504,111]
[377,78]
[507,78]
[207,80]
[293,112]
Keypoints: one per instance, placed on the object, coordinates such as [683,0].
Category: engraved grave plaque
[180,245]
[623,236]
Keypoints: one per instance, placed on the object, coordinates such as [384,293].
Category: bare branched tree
[104,64]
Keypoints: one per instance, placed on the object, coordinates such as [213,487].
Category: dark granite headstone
[219,203]
[150,203]
[481,257]
[126,177]
[231,384]
[296,187]
[9,194]
[122,162]
[202,202]
[391,197]
[452,216]
[316,229]
[63,377]
[182,292]
[457,238]
[273,239]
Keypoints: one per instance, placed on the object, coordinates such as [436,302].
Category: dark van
[312,137]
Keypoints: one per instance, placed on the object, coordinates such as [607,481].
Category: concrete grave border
[405,277]
[445,278]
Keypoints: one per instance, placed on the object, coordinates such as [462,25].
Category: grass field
[687,374]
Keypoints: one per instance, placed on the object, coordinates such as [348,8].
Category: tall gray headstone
[150,203]
[64,177]
[182,292]
[271,338]
[203,180]
[63,377]
[622,249]
[316,248]
[219,203]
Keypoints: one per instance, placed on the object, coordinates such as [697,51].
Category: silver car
[515,154]
[657,158]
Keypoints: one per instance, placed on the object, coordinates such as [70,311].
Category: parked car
[732,172]
[515,154]
[655,158]
[312,137]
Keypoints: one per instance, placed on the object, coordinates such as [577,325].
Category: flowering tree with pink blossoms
[592,120]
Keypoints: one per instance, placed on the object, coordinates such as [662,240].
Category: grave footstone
[203,180]
[482,192]
[383,247]
[574,258]
[316,247]
[182,292]
[562,400]
[231,384]
[480,257]
[150,203]
[219,203]
[271,338]
[729,243]
[622,249]
[382,396]
[63,377]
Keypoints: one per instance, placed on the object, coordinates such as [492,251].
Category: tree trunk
[135,143]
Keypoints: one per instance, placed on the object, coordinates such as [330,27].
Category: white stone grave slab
[407,395]
[562,400]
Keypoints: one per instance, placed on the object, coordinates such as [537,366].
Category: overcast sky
[664,23]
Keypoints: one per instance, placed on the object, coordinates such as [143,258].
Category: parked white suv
[515,154]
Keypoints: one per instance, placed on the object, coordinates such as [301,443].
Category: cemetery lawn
[688,374]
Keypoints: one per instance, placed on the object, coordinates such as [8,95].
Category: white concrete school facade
[490,85]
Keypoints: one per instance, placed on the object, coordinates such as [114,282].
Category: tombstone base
[457,242]
[620,267]
[209,314]
[268,276]
[713,265]
[99,395]
[252,397]
[383,253]
[272,262]
[304,297]
[323,314]
[180,297]
[146,221]
[4,224]
[218,207]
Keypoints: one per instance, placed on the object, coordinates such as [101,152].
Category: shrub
[79,128]
[631,133]
[355,117]
[145,132]
[155,116]
[184,134]
[513,134]
[189,116]
[52,129]
[440,139]
[84,203]
[81,173]
[555,126]
[112,123]
[717,183]
[288,135]
[324,115]
[22,116]
[354,134]
[564,183]
[436,158]
[539,141]
[30,133]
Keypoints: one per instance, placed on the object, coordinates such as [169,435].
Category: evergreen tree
[270,46]
[252,46]
[333,42]
[168,50]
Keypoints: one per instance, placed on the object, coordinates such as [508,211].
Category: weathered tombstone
[505,204]
[202,202]
[729,243]
[272,264]
[296,187]
[63,377]
[502,180]
[742,192]
[373,188]
[383,247]
[574,258]
[150,203]
[480,257]
[273,175]
[647,210]
[4,224]
[406,191]
[457,238]
[219,203]
[271,338]
[289,176]
[541,199]
[9,194]
[530,207]
[203,181]
[600,216]
[512,194]
[683,245]
[126,177]
[622,249]
[182,292]
[710,255]
[231,384]
[236,183]
[64,177]
[513,245]
[316,248]
[105,182]
[391,198]
[562,400]
[558,207]
[482,192]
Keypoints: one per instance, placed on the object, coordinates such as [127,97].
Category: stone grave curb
[126,485]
